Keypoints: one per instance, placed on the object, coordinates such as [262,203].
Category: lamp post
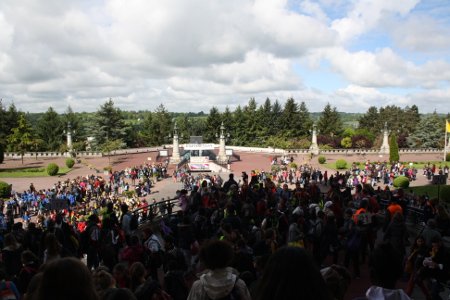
[222,156]
[175,159]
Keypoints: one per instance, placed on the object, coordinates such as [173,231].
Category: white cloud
[190,55]
[367,14]
[385,68]
[421,33]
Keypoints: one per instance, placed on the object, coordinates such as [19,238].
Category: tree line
[269,124]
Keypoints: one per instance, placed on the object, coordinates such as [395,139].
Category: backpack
[153,260]
[6,293]
[315,229]
[233,295]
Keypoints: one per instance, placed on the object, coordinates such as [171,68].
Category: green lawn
[432,191]
[29,172]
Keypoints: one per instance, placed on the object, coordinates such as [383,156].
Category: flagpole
[445,141]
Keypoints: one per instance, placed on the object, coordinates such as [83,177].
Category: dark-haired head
[66,278]
[385,266]
[216,254]
[291,273]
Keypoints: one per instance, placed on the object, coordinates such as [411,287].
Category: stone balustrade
[268,150]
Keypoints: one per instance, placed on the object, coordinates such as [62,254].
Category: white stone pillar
[314,148]
[69,140]
[175,159]
[385,146]
[222,156]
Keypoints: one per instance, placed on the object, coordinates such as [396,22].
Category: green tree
[429,133]
[394,116]
[305,119]
[212,125]
[238,135]
[161,126]
[250,123]
[277,111]
[111,145]
[370,120]
[50,130]
[411,119]
[348,132]
[8,121]
[394,155]
[21,137]
[329,122]
[290,120]
[265,117]
[77,128]
[108,124]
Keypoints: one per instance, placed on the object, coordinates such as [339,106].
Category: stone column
[69,140]
[314,148]
[222,156]
[175,159]
[385,146]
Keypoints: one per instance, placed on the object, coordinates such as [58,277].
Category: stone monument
[175,159]
[222,156]
[385,146]
[314,148]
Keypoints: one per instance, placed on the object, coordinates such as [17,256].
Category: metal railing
[156,210]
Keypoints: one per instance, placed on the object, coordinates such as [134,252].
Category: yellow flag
[448,125]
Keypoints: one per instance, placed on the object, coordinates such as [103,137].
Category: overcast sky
[192,54]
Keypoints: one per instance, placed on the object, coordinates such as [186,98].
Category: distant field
[29,172]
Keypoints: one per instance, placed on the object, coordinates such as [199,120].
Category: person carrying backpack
[219,281]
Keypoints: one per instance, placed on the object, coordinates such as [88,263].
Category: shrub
[346,142]
[393,150]
[447,157]
[52,169]
[341,164]
[275,168]
[293,165]
[401,182]
[5,189]
[321,159]
[70,162]
[129,194]
[325,147]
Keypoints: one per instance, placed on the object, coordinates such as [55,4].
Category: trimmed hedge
[401,182]
[52,169]
[69,163]
[321,159]
[5,189]
[341,164]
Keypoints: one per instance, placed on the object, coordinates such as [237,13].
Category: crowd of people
[251,237]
